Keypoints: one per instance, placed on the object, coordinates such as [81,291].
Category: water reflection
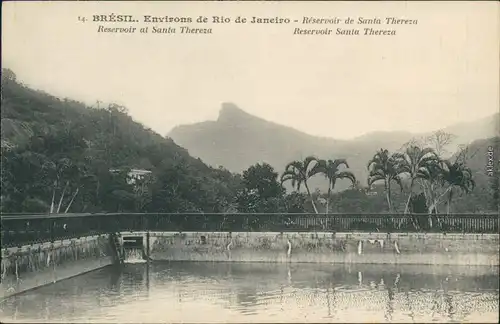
[252,292]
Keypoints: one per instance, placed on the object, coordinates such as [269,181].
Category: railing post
[148,248]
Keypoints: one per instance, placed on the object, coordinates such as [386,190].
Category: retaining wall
[36,265]
[33,266]
[377,248]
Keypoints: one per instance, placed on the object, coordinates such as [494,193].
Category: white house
[134,174]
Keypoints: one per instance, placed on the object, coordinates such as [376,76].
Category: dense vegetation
[425,181]
[57,155]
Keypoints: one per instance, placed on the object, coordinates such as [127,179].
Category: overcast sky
[442,71]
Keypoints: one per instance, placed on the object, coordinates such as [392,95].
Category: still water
[252,292]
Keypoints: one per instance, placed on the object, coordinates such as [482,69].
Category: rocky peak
[230,113]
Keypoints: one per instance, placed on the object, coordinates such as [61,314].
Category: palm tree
[440,178]
[415,162]
[384,167]
[431,181]
[330,169]
[298,172]
[457,175]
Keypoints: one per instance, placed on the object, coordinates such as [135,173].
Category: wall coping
[46,245]
[337,234]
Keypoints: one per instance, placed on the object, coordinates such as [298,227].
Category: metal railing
[21,229]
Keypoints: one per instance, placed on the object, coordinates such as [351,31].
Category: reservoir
[216,292]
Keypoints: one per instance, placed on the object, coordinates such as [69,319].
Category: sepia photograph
[250,162]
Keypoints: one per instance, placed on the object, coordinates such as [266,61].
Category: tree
[384,167]
[295,202]
[116,108]
[262,193]
[65,169]
[419,209]
[8,75]
[432,182]
[415,162]
[21,179]
[439,141]
[298,173]
[418,204]
[142,192]
[444,178]
[459,178]
[263,179]
[330,169]
[116,194]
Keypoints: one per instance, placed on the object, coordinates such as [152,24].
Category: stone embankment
[376,248]
[32,266]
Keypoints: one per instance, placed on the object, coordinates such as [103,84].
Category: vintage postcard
[250,162]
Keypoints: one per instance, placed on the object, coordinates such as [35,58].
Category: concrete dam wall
[377,248]
[36,265]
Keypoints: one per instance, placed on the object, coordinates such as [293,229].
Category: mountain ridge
[230,109]
[237,140]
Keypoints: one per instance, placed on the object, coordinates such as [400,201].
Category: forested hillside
[58,156]
[59,152]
